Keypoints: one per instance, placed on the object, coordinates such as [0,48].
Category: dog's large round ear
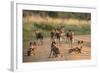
[78,42]
[81,47]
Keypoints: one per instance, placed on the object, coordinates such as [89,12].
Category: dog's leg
[70,50]
[79,50]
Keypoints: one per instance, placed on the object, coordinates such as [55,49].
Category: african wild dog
[39,37]
[76,49]
[54,50]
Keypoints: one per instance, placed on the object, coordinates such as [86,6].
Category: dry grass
[49,20]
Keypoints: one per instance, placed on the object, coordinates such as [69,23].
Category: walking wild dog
[39,37]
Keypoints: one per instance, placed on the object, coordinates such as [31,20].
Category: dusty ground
[42,52]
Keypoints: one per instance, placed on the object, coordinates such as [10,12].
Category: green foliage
[79,29]
[43,26]
[29,30]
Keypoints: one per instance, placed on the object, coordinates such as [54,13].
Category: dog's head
[80,42]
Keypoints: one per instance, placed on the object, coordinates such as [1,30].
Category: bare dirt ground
[42,51]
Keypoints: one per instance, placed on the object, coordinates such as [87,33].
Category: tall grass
[49,20]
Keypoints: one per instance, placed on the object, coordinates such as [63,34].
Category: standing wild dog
[39,37]
[52,34]
[57,35]
[62,33]
[70,37]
